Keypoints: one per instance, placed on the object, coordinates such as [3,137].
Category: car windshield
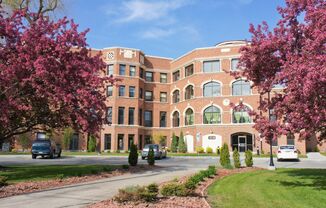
[147,146]
[287,147]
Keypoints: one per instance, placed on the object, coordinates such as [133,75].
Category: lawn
[44,172]
[323,153]
[284,188]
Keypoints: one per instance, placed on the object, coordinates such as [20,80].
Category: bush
[182,147]
[209,150]
[236,158]
[174,189]
[91,144]
[199,149]
[130,193]
[125,167]
[248,159]
[133,155]
[174,144]
[225,156]
[60,176]
[192,182]
[151,157]
[149,194]
[212,170]
[3,181]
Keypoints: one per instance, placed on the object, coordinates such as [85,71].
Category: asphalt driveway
[80,195]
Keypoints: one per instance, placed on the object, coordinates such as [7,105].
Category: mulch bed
[198,200]
[33,186]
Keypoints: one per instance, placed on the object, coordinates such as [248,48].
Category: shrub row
[3,181]
[185,189]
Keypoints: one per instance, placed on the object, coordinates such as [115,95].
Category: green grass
[283,188]
[45,172]
[323,153]
[192,154]
[15,153]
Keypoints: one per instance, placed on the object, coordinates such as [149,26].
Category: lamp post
[271,162]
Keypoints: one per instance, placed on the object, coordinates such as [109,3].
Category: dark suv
[45,147]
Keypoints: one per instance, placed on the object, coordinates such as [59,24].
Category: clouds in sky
[158,16]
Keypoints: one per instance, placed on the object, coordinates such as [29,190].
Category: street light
[271,162]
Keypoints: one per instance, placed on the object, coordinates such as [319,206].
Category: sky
[168,28]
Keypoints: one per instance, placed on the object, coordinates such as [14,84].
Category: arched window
[176,96]
[212,89]
[241,114]
[212,115]
[189,119]
[189,94]
[241,87]
[175,119]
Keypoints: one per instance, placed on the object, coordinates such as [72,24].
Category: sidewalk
[80,195]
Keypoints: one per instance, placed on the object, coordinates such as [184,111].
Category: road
[80,195]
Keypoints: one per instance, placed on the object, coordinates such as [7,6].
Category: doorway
[241,141]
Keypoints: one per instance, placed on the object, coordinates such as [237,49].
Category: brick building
[161,96]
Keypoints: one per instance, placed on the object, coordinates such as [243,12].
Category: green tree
[133,155]
[182,147]
[91,143]
[24,141]
[248,159]
[225,156]
[159,139]
[236,158]
[151,157]
[174,144]
[67,135]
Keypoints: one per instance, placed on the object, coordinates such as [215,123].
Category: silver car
[159,151]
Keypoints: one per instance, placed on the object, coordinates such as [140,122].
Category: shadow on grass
[314,178]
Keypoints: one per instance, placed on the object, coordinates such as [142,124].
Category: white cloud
[157,33]
[142,10]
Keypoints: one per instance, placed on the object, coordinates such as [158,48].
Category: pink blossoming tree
[48,78]
[292,55]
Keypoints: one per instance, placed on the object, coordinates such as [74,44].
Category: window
[275,142]
[141,93]
[175,119]
[176,76]
[189,70]
[234,64]
[148,118]
[163,97]
[163,77]
[141,73]
[132,71]
[121,116]
[212,115]
[107,141]
[149,76]
[148,139]
[122,69]
[162,119]
[241,87]
[212,89]
[211,66]
[241,114]
[272,115]
[130,140]
[131,91]
[290,139]
[109,90]
[121,90]
[109,69]
[176,96]
[140,117]
[131,116]
[120,141]
[189,94]
[109,115]
[189,119]
[148,95]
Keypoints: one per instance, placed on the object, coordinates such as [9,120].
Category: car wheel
[33,156]
[59,155]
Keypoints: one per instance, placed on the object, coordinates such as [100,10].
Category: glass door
[242,143]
